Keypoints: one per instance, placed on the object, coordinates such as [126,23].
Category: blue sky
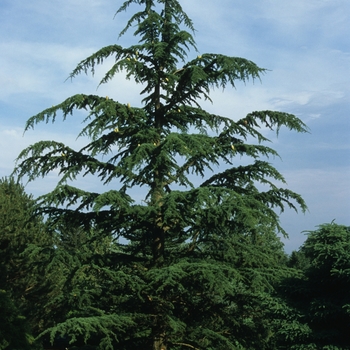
[304,44]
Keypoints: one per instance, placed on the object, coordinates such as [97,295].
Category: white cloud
[327,194]
[36,67]
[13,141]
[332,183]
[304,43]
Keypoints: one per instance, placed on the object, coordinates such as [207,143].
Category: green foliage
[14,330]
[193,262]
[321,293]
[110,300]
[298,260]
[328,249]
[18,229]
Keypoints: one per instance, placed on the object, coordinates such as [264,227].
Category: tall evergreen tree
[189,265]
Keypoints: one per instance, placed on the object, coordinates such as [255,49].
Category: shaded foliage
[321,293]
[15,333]
[19,228]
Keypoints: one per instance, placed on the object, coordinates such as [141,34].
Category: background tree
[181,276]
[19,229]
[15,333]
[321,293]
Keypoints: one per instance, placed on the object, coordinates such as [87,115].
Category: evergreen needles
[180,267]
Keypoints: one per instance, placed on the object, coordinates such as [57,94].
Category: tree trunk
[159,343]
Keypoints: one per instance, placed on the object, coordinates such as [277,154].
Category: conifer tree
[19,229]
[14,329]
[321,293]
[190,263]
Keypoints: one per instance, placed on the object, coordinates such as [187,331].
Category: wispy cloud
[304,44]
[36,67]
[327,194]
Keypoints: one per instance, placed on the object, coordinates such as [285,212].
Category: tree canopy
[19,228]
[186,262]
[321,293]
